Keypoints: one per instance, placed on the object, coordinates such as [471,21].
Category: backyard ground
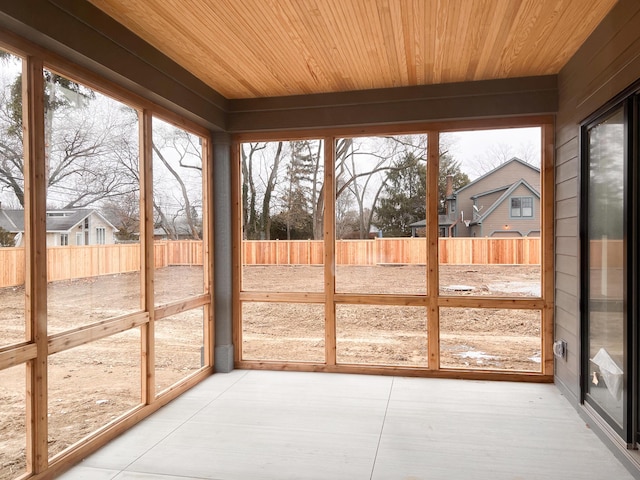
[95,383]
[396,335]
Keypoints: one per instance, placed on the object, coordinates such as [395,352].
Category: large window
[609,271]
[283,225]
[381,194]
[391,251]
[12,200]
[283,215]
[105,285]
[92,160]
[491,249]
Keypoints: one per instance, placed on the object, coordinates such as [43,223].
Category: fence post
[376,258]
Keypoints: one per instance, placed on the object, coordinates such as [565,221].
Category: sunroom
[261,165]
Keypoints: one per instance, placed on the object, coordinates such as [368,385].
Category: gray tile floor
[290,425]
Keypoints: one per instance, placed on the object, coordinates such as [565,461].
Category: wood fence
[395,251]
[71,262]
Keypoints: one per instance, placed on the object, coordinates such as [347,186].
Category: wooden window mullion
[432,233]
[36,260]
[330,249]
[147,257]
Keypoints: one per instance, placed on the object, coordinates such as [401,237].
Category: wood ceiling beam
[466,100]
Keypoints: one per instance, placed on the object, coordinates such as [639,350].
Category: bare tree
[186,206]
[177,181]
[260,171]
[498,153]
[124,213]
[84,132]
[249,213]
[363,165]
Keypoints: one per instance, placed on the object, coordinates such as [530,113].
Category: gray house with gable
[64,227]
[504,202]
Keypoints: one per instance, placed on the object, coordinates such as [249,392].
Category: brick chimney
[449,189]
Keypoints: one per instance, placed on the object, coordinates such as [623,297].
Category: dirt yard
[396,335]
[93,384]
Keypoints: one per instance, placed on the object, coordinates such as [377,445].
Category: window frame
[331,298]
[101,235]
[521,208]
[39,345]
[629,431]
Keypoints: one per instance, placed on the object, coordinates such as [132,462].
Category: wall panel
[607,63]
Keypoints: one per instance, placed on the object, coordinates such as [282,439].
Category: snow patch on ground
[476,355]
[527,288]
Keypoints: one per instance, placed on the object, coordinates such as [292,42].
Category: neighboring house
[504,202]
[64,227]
[419,228]
[182,232]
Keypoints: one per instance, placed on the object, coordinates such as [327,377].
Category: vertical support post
[329,249]
[208,251]
[225,200]
[35,179]
[147,256]
[547,246]
[236,249]
[432,231]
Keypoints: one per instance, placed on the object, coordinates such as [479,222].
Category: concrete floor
[290,425]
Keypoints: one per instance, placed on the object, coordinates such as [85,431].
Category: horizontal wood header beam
[455,101]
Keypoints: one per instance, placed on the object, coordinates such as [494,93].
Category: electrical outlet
[560,349]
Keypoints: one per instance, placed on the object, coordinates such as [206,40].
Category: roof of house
[495,170]
[442,220]
[57,220]
[12,220]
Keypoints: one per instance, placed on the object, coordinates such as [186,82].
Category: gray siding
[493,225]
[607,63]
[503,176]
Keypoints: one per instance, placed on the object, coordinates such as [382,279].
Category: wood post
[547,259]
[36,257]
[330,249]
[432,233]
[147,256]
[207,250]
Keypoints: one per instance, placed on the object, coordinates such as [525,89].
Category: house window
[79,239]
[521,207]
[100,235]
[64,239]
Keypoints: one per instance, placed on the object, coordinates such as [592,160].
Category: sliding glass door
[610,212]
[605,278]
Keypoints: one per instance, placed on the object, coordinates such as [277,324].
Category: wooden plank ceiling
[266,48]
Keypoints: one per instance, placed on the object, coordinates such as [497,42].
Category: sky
[475,150]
